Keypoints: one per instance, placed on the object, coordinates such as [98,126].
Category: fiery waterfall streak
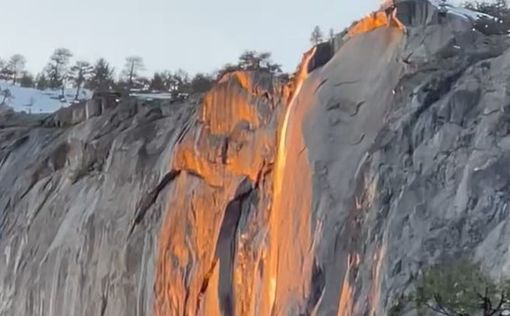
[300,76]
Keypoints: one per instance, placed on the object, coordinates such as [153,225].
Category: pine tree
[57,68]
[102,76]
[254,61]
[201,83]
[80,72]
[16,66]
[317,36]
[5,70]
[42,82]
[179,83]
[331,34]
[158,83]
[26,80]
[134,65]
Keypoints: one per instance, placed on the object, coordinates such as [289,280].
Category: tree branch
[438,310]
[500,304]
[441,308]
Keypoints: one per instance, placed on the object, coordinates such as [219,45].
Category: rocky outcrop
[67,200]
[100,103]
[326,195]
[224,190]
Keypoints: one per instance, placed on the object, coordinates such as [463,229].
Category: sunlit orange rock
[281,206]
[345,306]
[230,149]
[326,194]
[375,20]
[246,160]
[236,139]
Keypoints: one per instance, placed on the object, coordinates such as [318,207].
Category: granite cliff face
[385,153]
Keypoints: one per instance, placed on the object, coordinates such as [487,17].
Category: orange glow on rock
[289,223]
[369,23]
[289,230]
[345,306]
[233,139]
[374,21]
[235,107]
[376,281]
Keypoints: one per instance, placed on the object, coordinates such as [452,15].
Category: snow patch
[459,11]
[36,101]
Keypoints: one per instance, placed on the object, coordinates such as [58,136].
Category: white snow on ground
[153,96]
[456,9]
[31,100]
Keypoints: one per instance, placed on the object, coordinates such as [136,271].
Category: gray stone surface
[407,141]
[67,200]
[327,196]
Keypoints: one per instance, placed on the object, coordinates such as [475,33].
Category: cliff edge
[327,195]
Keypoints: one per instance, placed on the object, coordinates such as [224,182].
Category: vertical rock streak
[203,251]
[209,247]
[289,227]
